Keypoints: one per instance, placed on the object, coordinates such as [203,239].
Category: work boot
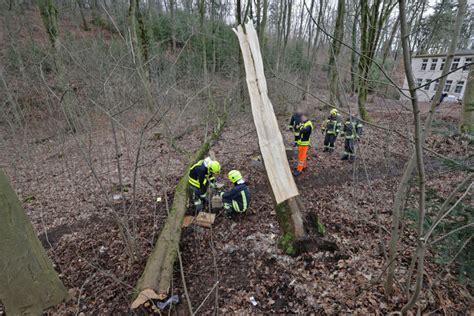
[228,213]
[296,173]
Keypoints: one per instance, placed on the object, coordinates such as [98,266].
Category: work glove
[213,184]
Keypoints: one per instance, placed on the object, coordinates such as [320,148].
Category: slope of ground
[68,209]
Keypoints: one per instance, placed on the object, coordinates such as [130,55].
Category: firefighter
[201,175]
[330,129]
[351,131]
[295,124]
[237,200]
[303,142]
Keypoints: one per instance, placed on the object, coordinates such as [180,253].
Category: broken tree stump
[288,205]
[156,279]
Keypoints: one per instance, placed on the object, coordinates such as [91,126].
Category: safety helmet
[234,176]
[333,112]
[214,167]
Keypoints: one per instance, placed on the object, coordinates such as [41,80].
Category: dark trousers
[198,198]
[349,149]
[329,142]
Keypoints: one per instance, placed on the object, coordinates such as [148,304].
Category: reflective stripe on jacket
[199,175]
[305,134]
[239,196]
[332,125]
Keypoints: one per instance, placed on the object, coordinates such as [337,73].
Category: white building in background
[429,67]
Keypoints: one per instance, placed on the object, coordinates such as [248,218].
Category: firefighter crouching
[237,200]
[201,175]
[351,131]
[330,129]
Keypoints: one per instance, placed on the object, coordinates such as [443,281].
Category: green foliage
[287,244]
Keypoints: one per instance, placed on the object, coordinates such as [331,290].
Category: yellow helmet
[234,176]
[214,167]
[333,112]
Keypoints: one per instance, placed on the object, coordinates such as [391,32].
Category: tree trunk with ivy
[28,282]
[334,51]
[467,124]
[140,47]
[373,16]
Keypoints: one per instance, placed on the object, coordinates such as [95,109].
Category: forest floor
[240,257]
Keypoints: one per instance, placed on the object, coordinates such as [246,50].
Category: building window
[455,63]
[427,84]
[467,61]
[459,86]
[448,85]
[418,82]
[436,85]
[424,62]
[434,63]
[442,63]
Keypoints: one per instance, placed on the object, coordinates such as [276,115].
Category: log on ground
[156,279]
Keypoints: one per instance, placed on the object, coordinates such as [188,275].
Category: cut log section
[156,278]
[288,204]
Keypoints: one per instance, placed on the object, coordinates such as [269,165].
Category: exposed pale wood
[288,203]
[269,136]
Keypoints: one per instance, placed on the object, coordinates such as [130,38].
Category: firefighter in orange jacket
[303,142]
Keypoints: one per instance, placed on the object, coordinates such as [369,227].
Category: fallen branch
[156,278]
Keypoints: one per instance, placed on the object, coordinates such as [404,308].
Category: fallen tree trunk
[288,205]
[156,278]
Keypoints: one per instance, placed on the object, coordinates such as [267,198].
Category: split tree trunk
[156,279]
[288,204]
[28,282]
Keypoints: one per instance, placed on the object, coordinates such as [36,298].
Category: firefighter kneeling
[351,131]
[236,200]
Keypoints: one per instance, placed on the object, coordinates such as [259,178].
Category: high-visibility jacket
[295,123]
[352,129]
[332,125]
[304,138]
[239,196]
[200,175]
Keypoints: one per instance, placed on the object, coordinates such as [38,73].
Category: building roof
[465,52]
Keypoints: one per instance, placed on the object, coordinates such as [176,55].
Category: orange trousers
[302,156]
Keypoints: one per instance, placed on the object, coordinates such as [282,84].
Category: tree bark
[289,207]
[373,17]
[85,25]
[49,14]
[156,279]
[28,282]
[334,51]
[467,122]
[140,47]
